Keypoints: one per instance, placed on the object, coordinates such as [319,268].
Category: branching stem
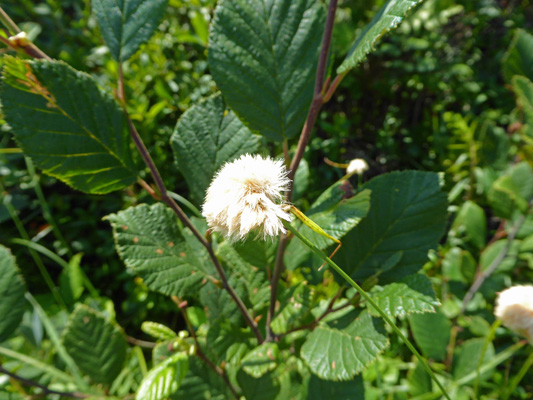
[316,104]
[169,201]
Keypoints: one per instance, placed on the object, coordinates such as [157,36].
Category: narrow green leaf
[69,127]
[334,213]
[408,213]
[164,379]
[335,354]
[206,136]
[98,346]
[431,333]
[126,24]
[12,289]
[150,241]
[413,294]
[519,57]
[260,360]
[158,331]
[263,56]
[71,280]
[388,18]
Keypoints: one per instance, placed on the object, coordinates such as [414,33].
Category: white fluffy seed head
[246,196]
[357,166]
[514,306]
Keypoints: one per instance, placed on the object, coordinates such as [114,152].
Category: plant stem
[316,104]
[518,377]
[8,22]
[369,299]
[169,201]
[494,264]
[219,371]
[44,205]
[45,390]
[36,258]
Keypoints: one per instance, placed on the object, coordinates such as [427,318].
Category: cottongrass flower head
[357,166]
[246,196]
[514,306]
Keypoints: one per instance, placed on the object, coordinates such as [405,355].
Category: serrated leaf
[97,346]
[431,333]
[388,18]
[247,279]
[297,305]
[413,294]
[149,239]
[319,389]
[260,360]
[408,213]
[201,383]
[263,57]
[207,136]
[335,214]
[69,127]
[519,57]
[334,354]
[164,379]
[12,289]
[158,331]
[126,24]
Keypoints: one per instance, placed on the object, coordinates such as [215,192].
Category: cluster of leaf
[263,60]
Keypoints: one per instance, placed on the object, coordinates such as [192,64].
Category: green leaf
[164,379]
[431,333]
[519,57]
[470,224]
[319,389]
[512,191]
[419,380]
[245,278]
[388,18]
[71,280]
[264,388]
[69,127]
[414,294]
[335,214]
[126,24]
[260,360]
[12,289]
[408,213]
[207,136]
[523,88]
[334,354]
[201,383]
[149,239]
[470,356]
[158,331]
[297,305]
[263,57]
[98,346]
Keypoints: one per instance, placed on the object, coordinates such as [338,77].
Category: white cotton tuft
[246,196]
[514,306]
[357,166]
